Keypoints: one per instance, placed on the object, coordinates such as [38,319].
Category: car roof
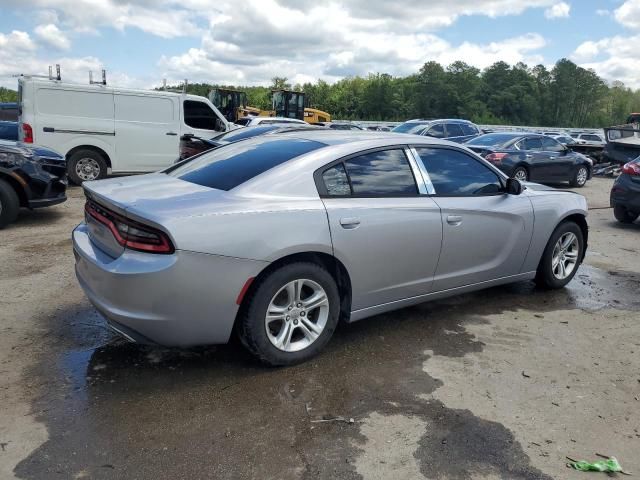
[439,120]
[338,137]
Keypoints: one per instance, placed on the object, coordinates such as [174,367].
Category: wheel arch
[93,148]
[334,266]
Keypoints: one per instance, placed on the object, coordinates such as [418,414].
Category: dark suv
[625,193]
[30,177]
[455,130]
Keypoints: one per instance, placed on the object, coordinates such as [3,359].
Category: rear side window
[454,173]
[454,130]
[231,165]
[531,144]
[382,173]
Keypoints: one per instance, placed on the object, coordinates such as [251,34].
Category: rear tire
[291,333]
[521,174]
[562,256]
[579,178]
[86,165]
[623,215]
[9,204]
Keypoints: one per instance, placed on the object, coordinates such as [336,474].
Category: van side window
[199,115]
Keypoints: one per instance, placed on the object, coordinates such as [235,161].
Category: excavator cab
[231,103]
[289,104]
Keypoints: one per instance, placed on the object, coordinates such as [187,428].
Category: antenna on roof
[104,78]
[184,86]
[58,77]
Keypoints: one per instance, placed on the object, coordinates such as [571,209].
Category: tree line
[566,95]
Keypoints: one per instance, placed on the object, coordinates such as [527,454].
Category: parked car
[533,157]
[30,177]
[253,121]
[625,193]
[191,145]
[101,129]
[279,236]
[567,141]
[591,139]
[450,129]
[338,125]
[9,111]
[8,130]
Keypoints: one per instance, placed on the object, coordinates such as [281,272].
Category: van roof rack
[50,76]
[176,90]
[104,78]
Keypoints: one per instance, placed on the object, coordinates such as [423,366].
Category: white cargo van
[102,129]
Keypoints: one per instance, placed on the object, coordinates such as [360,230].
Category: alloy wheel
[87,169]
[297,315]
[521,175]
[565,256]
[581,178]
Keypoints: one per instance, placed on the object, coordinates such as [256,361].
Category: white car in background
[591,139]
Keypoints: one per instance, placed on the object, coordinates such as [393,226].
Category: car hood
[7,146]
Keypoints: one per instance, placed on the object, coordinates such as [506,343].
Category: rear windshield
[492,139]
[409,127]
[231,165]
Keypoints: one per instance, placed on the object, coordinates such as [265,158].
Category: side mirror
[514,187]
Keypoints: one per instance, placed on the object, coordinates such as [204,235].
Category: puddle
[127,411]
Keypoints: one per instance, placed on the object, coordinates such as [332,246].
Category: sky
[247,42]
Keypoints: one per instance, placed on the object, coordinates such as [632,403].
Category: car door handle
[454,220]
[528,155]
[552,158]
[172,133]
[349,222]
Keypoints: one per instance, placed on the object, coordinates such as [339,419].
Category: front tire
[9,204]
[579,178]
[85,166]
[291,314]
[623,215]
[562,256]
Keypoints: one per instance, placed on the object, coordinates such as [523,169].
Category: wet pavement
[399,394]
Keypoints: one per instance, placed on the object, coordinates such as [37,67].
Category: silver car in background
[280,237]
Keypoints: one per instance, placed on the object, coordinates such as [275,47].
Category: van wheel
[86,165]
[290,315]
[9,204]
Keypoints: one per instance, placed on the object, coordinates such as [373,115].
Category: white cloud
[51,35]
[559,10]
[619,58]
[15,42]
[628,14]
[603,12]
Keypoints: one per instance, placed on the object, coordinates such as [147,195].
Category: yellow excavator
[285,103]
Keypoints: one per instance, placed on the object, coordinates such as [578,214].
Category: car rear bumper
[626,192]
[182,299]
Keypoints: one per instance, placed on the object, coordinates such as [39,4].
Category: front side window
[437,131]
[468,129]
[199,115]
[454,130]
[454,173]
[551,145]
[382,173]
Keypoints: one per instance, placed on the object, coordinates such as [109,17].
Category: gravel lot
[501,384]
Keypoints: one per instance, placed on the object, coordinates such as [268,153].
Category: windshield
[233,164]
[492,139]
[410,127]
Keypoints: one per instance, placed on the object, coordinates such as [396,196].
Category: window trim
[501,176]
[322,189]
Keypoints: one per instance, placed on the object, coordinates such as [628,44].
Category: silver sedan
[280,237]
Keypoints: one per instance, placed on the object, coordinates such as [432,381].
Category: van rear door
[147,131]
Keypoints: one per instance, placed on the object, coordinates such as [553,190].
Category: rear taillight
[27,133]
[631,168]
[495,158]
[131,234]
